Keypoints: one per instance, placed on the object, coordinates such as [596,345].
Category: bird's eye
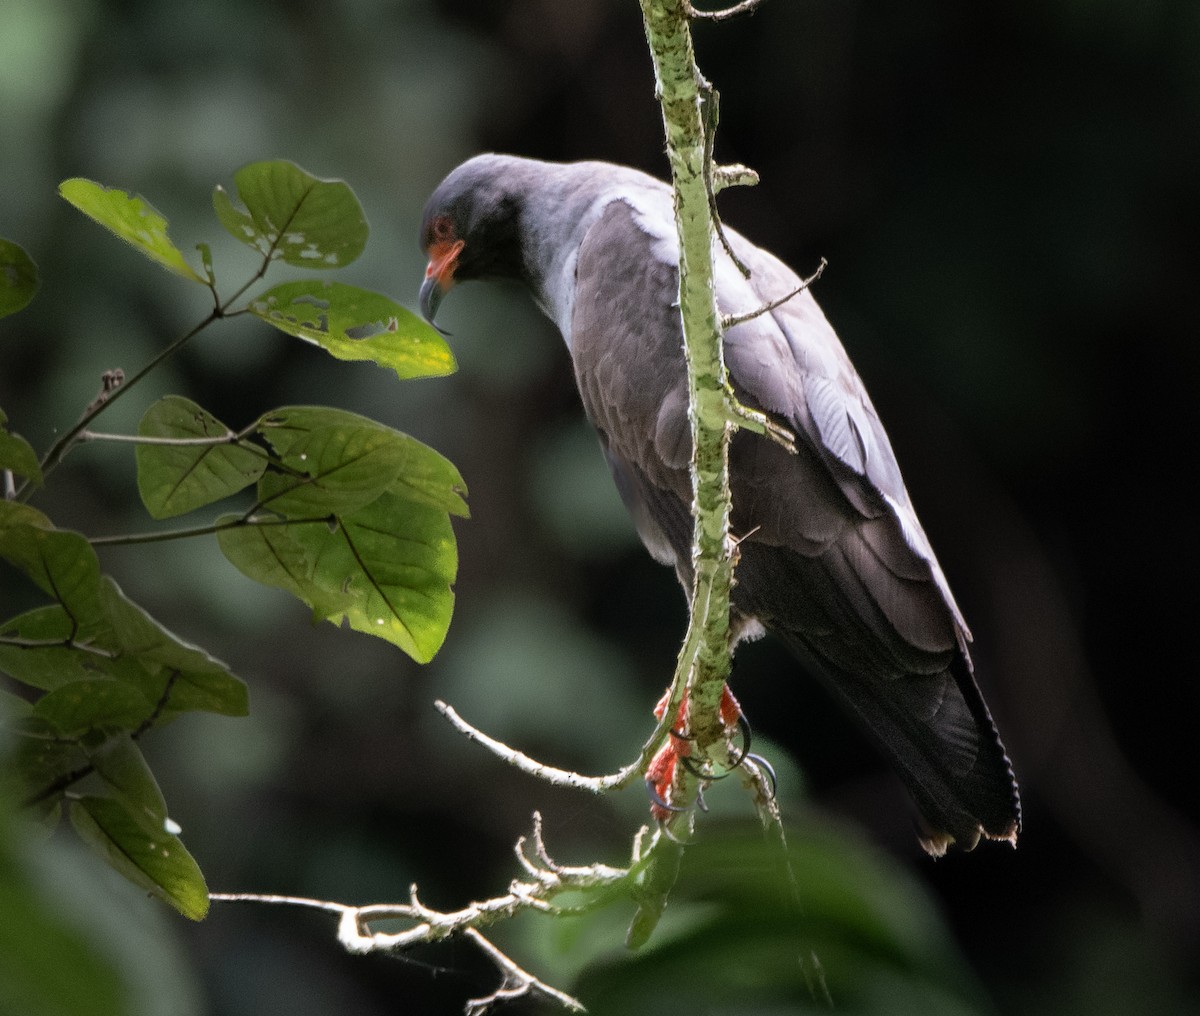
[443,228]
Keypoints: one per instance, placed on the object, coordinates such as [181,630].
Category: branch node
[110,381]
[733,175]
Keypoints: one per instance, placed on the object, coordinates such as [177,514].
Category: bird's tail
[936,731]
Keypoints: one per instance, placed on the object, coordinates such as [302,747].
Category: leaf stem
[129,539]
[229,437]
[115,386]
[59,449]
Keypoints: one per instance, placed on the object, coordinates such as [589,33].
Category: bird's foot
[664,767]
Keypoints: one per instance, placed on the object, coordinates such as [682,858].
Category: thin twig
[109,395]
[127,539]
[733,320]
[517,982]
[552,775]
[744,7]
[428,925]
[710,106]
[229,437]
[115,385]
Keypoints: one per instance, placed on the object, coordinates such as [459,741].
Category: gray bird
[833,560]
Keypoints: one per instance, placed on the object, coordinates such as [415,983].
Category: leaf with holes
[294,216]
[133,219]
[356,324]
[177,478]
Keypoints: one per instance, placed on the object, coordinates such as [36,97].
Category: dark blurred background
[1007,199]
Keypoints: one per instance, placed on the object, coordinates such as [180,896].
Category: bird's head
[471,227]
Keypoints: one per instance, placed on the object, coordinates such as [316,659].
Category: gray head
[471,227]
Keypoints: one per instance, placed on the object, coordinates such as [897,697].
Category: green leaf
[18,278]
[389,459]
[206,262]
[290,214]
[133,219]
[387,569]
[345,468]
[651,890]
[61,563]
[127,645]
[356,324]
[75,708]
[157,861]
[51,665]
[38,757]
[123,767]
[49,966]
[174,479]
[399,559]
[828,926]
[15,452]
[14,513]
[237,222]
[277,556]
[201,682]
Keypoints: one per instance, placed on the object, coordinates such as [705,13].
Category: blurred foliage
[350,516]
[1007,201]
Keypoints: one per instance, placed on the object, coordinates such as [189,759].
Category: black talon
[769,769]
[657,801]
[744,727]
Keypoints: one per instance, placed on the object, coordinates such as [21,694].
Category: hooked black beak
[430,298]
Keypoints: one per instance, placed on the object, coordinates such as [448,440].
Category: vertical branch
[704,660]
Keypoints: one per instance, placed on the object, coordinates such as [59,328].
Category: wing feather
[833,557]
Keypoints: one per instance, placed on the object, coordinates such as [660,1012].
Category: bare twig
[229,437]
[559,777]
[710,107]
[164,535]
[733,174]
[744,7]
[733,320]
[549,879]
[516,982]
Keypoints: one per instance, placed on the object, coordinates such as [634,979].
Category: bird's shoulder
[626,339]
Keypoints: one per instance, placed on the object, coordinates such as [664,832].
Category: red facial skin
[444,248]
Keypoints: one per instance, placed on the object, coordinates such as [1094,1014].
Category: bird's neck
[554,225]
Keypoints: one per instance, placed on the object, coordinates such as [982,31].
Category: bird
[832,557]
